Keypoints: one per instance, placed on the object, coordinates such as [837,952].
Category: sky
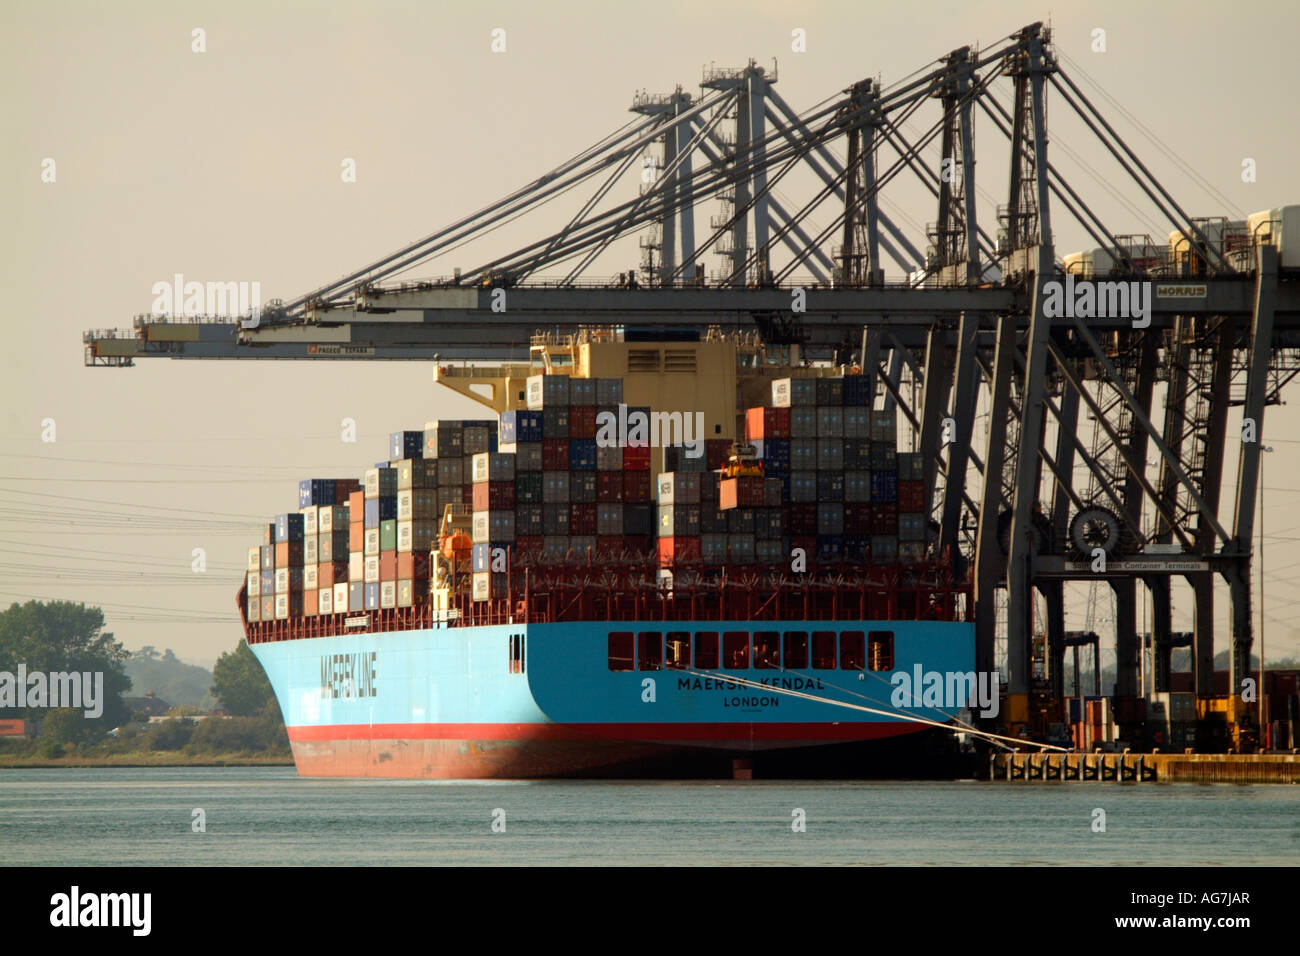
[224,165]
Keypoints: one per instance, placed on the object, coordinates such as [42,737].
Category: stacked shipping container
[539,484]
[834,485]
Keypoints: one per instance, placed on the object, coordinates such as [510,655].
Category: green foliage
[65,725]
[185,685]
[172,734]
[241,684]
[254,734]
[66,636]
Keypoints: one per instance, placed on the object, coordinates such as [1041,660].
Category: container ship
[682,555]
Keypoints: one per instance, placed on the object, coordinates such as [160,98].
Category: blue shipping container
[830,548]
[315,491]
[582,454]
[884,486]
[288,527]
[405,444]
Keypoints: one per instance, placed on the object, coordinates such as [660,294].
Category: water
[270,816]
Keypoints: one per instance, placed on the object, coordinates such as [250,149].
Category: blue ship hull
[541,700]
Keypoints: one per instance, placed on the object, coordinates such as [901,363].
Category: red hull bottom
[428,757]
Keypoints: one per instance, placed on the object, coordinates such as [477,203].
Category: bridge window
[796,650]
[852,651]
[679,650]
[767,650]
[735,650]
[880,650]
[650,644]
[620,651]
[823,650]
[706,651]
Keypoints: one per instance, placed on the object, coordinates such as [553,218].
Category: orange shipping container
[743,492]
[331,573]
[388,565]
[310,603]
[412,565]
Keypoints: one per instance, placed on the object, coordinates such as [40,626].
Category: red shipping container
[884,518]
[357,506]
[610,485]
[555,454]
[761,423]
[801,518]
[582,421]
[493,495]
[388,565]
[356,536]
[808,544]
[636,486]
[716,452]
[344,488]
[636,458]
[331,573]
[288,554]
[582,519]
[528,545]
[310,604]
[857,518]
[467,495]
[743,492]
[412,566]
[610,544]
[678,550]
[911,496]
[639,543]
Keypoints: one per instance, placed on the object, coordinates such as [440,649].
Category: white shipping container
[547,391]
[372,569]
[371,482]
[310,549]
[282,607]
[356,565]
[309,514]
[341,598]
[416,535]
[253,609]
[254,583]
[325,601]
[493,526]
[490,466]
[281,580]
[254,559]
[388,594]
[309,577]
[405,505]
[372,541]
[333,518]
